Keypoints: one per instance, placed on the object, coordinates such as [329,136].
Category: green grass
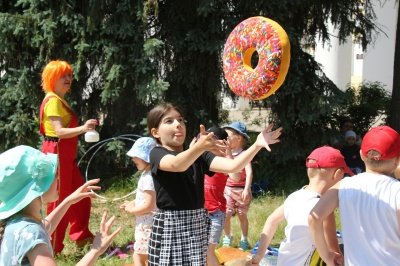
[260,208]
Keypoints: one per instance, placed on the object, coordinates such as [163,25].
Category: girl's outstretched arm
[82,192]
[182,161]
[40,255]
[264,139]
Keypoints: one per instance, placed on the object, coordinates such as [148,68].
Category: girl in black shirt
[180,227]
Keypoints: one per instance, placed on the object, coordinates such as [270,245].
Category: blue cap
[239,127]
[141,148]
[25,174]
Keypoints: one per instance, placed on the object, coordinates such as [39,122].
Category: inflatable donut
[270,41]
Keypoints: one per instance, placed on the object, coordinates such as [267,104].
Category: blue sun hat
[239,127]
[141,148]
[25,174]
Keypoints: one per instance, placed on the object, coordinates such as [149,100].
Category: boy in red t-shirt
[215,202]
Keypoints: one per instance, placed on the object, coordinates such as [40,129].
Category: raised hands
[104,237]
[268,137]
[101,242]
[209,142]
[86,190]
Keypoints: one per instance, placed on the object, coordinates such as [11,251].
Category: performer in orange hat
[60,129]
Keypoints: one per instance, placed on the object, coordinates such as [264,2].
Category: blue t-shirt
[21,235]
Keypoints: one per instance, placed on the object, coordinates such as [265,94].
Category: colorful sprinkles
[253,34]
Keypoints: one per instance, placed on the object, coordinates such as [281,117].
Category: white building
[347,63]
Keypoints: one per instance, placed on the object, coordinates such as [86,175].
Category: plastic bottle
[92,136]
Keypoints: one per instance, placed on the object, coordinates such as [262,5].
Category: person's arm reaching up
[268,232]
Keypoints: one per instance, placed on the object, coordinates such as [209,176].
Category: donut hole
[250,60]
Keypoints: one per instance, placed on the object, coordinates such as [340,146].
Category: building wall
[379,56]
[336,59]
[345,63]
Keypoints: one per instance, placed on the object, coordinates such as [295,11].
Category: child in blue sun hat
[28,180]
[238,187]
[145,203]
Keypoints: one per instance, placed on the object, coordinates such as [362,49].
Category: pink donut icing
[272,45]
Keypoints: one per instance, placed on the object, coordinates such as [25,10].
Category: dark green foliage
[129,55]
[366,105]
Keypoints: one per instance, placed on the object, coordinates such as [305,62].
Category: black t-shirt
[179,190]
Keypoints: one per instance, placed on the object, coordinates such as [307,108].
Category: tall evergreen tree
[130,54]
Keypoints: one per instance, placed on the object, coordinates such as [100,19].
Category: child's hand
[246,195]
[128,206]
[268,137]
[90,125]
[104,238]
[84,191]
[208,142]
[335,259]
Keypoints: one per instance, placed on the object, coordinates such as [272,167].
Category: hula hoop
[96,147]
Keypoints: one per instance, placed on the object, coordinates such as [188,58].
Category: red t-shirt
[214,187]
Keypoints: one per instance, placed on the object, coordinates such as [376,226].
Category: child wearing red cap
[368,205]
[325,167]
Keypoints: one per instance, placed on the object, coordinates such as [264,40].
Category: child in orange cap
[325,167]
[368,204]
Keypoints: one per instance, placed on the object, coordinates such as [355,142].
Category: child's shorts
[234,202]
[217,225]
[142,236]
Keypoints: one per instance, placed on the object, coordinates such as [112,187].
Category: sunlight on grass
[260,208]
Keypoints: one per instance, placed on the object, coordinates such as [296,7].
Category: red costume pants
[70,179]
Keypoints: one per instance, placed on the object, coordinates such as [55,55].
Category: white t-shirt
[145,183]
[297,248]
[367,204]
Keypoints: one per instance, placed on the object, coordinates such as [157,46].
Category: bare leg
[140,259]
[227,225]
[211,258]
[244,224]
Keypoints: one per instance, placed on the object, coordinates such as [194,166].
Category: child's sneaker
[226,241]
[244,245]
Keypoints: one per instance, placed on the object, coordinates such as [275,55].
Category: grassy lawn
[261,207]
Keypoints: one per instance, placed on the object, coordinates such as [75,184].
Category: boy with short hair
[325,167]
[368,204]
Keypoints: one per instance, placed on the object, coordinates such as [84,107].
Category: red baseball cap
[382,139]
[327,157]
